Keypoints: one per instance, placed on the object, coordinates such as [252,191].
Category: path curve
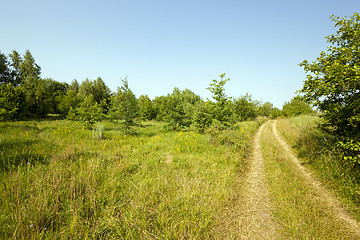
[326,196]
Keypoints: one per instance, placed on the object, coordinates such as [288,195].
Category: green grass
[318,152]
[60,180]
[298,209]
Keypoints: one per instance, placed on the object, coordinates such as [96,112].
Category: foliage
[268,110]
[56,92]
[70,100]
[319,151]
[146,108]
[124,106]
[37,97]
[297,106]
[203,116]
[333,84]
[16,61]
[222,109]
[244,109]
[161,107]
[179,108]
[98,89]
[29,70]
[5,72]
[89,111]
[12,102]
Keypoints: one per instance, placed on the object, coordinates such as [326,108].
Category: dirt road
[278,198]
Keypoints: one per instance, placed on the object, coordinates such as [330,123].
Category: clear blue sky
[168,43]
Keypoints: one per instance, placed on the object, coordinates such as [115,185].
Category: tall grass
[59,181]
[318,151]
[298,209]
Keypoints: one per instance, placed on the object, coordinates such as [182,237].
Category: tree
[218,90]
[333,84]
[296,106]
[56,92]
[161,107]
[124,106]
[268,110]
[89,111]
[222,107]
[98,89]
[37,97]
[12,102]
[26,73]
[202,116]
[146,109]
[70,100]
[29,70]
[244,108]
[5,72]
[179,108]
[16,61]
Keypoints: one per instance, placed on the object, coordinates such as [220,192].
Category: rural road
[257,212]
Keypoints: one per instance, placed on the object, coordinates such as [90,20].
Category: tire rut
[328,198]
[256,220]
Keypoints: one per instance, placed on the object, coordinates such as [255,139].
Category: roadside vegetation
[319,152]
[301,208]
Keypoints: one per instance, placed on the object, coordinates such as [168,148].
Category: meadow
[60,180]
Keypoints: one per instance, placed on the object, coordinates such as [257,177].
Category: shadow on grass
[20,153]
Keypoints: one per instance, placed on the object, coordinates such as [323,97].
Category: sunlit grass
[318,151]
[299,210]
[60,180]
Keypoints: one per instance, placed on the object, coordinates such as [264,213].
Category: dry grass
[300,210]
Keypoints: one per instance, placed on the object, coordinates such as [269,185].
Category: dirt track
[251,214]
[325,195]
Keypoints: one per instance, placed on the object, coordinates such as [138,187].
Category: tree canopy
[333,83]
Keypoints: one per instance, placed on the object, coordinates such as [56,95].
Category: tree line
[25,95]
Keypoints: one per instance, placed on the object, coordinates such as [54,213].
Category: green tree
[26,73]
[56,92]
[89,111]
[333,84]
[296,106]
[243,108]
[12,102]
[70,100]
[29,70]
[267,109]
[179,108]
[98,89]
[202,116]
[16,61]
[161,107]
[146,108]
[37,97]
[5,71]
[124,106]
[222,109]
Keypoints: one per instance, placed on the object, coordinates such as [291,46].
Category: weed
[99,131]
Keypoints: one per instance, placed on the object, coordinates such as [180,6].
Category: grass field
[60,180]
[318,152]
